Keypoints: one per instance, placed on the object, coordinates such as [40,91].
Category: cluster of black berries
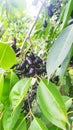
[31,65]
[27,103]
[51,10]
[13,45]
[71,62]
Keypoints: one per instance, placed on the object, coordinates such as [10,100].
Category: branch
[32,27]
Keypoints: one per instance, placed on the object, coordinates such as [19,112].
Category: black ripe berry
[71,62]
[21,66]
[14,47]
[30,97]
[50,12]
[29,60]
[32,56]
[45,24]
[31,72]
[17,50]
[37,60]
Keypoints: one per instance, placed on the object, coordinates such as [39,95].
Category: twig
[32,27]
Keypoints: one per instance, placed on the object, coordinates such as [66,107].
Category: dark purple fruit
[32,56]
[21,66]
[45,24]
[44,64]
[14,47]
[19,73]
[37,60]
[17,50]
[49,9]
[71,61]
[38,71]
[37,65]
[35,86]
[31,72]
[29,60]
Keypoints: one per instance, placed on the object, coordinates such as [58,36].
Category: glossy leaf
[61,70]
[37,124]
[59,50]
[1,107]
[1,111]
[1,126]
[54,128]
[10,117]
[51,104]
[19,91]
[22,125]
[7,56]
[6,90]
[13,79]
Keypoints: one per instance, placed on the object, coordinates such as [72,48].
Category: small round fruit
[21,66]
[32,56]
[45,24]
[37,60]
[31,72]
[29,60]
[14,47]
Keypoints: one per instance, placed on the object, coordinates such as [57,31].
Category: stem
[32,27]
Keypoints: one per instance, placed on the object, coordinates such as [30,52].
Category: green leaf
[67,13]
[13,79]
[1,107]
[10,117]
[37,124]
[7,56]
[59,50]
[1,125]
[54,128]
[22,125]
[1,111]
[19,91]
[1,85]
[6,90]
[67,101]
[51,104]
[61,70]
